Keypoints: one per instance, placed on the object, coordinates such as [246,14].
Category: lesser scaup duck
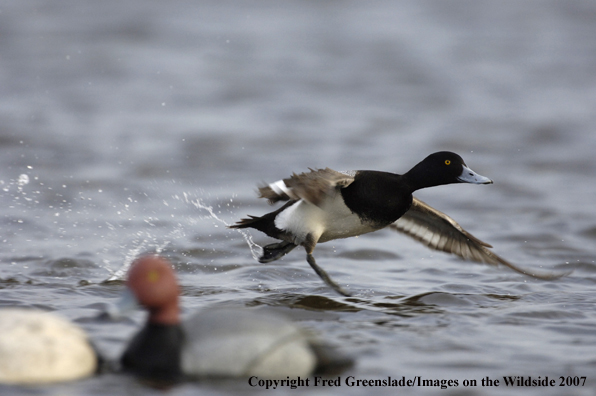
[224,342]
[325,204]
[39,347]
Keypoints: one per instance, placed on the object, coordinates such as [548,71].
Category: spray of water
[142,245]
[146,241]
[24,189]
[255,249]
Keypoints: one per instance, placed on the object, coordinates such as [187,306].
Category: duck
[38,347]
[323,205]
[223,342]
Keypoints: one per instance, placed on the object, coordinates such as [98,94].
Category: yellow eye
[447,162]
[153,276]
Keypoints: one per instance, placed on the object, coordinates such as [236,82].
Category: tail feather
[245,223]
[265,223]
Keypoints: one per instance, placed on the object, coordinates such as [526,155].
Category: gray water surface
[128,127]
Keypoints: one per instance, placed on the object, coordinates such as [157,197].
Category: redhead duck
[323,205]
[39,347]
[223,342]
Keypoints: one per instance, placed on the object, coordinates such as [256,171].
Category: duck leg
[324,276]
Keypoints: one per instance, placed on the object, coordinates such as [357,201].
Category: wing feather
[440,232]
[313,186]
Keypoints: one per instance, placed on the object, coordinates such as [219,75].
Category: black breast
[155,353]
[378,197]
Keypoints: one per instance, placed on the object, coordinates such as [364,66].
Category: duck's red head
[153,281]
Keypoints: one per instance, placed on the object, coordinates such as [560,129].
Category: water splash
[143,244]
[20,182]
[255,249]
[147,240]
[23,180]
[111,237]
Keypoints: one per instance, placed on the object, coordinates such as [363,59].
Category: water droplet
[23,180]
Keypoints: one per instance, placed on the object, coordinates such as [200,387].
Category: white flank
[333,220]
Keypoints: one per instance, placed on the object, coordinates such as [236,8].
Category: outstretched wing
[313,186]
[440,232]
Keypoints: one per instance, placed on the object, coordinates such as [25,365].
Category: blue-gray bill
[469,176]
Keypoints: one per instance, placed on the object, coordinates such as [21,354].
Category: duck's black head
[443,167]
